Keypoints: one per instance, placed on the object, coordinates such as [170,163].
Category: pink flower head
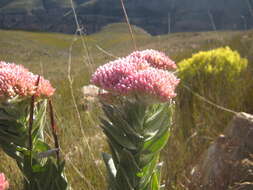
[15,80]
[108,75]
[3,182]
[134,76]
[153,82]
[155,59]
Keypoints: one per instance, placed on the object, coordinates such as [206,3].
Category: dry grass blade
[79,31]
[209,102]
[106,52]
[85,141]
[128,23]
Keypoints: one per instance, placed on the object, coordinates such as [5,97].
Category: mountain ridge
[156,16]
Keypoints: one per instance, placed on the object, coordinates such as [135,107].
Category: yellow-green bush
[221,64]
[218,76]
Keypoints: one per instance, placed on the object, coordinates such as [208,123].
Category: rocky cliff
[155,16]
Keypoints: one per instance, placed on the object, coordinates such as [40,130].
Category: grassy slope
[48,54]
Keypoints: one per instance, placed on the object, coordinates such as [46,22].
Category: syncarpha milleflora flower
[134,75]
[158,83]
[3,182]
[110,74]
[137,116]
[155,59]
[17,81]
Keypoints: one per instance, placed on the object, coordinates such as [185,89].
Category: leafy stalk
[23,140]
[136,133]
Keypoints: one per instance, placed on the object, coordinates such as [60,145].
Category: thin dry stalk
[210,102]
[79,31]
[85,141]
[106,52]
[128,23]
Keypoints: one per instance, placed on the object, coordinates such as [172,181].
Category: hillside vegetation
[81,140]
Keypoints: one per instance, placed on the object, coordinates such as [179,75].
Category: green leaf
[160,119]
[146,158]
[122,180]
[120,120]
[118,135]
[115,149]
[109,165]
[135,113]
[40,146]
[111,170]
[130,166]
[50,176]
[37,168]
[155,182]
[156,144]
[147,172]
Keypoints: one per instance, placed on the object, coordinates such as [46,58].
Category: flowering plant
[137,125]
[23,102]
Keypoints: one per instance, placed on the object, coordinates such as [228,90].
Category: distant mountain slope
[155,16]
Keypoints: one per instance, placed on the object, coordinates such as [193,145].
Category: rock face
[228,163]
[155,16]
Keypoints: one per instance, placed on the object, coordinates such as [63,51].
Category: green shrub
[218,76]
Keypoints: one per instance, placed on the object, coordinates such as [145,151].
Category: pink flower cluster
[155,59]
[15,80]
[107,76]
[3,182]
[134,75]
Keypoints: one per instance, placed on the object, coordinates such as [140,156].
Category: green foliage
[14,122]
[136,134]
[40,171]
[43,174]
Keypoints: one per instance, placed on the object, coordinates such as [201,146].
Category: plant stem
[31,121]
[54,129]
